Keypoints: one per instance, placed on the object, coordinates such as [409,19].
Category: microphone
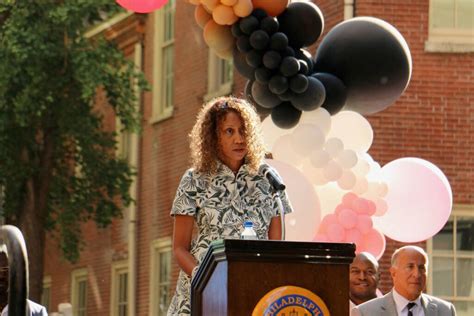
[274,179]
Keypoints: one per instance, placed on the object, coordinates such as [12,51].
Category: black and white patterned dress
[220,204]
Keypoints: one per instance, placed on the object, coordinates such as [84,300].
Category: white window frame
[46,285]
[158,246]
[459,210]
[448,40]
[118,268]
[160,109]
[216,86]
[77,276]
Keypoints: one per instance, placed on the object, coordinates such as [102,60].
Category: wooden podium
[236,274]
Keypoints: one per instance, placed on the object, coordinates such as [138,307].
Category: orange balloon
[195,2]
[272,7]
[227,54]
[201,16]
[243,8]
[218,37]
[224,15]
[209,5]
[229,2]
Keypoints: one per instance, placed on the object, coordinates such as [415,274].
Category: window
[451,26]
[163,60]
[79,292]
[220,76]
[451,275]
[119,299]
[46,295]
[160,276]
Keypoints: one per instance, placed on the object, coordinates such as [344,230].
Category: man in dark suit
[408,271]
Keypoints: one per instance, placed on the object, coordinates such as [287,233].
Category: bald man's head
[363,278]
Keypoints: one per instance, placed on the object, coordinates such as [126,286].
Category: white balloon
[283,151]
[330,196]
[362,168]
[334,146]
[319,158]
[360,186]
[347,158]
[347,180]
[320,117]
[353,129]
[307,137]
[303,223]
[271,132]
[332,171]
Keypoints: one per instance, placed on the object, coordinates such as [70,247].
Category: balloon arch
[316,129]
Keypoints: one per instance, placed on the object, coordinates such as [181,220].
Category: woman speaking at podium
[223,189]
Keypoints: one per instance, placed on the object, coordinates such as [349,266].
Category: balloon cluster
[352,222]
[267,40]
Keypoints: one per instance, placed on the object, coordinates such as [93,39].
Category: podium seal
[290,301]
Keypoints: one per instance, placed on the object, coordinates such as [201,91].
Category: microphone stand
[276,196]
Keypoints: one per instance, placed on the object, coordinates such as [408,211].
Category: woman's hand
[182,235]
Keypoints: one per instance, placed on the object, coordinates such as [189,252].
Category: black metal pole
[12,237]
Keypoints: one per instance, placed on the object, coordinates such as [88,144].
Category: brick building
[128,269]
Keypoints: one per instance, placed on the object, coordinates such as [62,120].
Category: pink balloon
[302,224]
[142,6]
[347,218]
[361,206]
[373,242]
[419,197]
[326,222]
[353,235]
[349,198]
[336,233]
[321,237]
[364,223]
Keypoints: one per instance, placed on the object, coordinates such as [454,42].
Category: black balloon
[372,59]
[288,51]
[236,31]
[254,58]
[312,98]
[285,115]
[299,83]
[286,96]
[336,94]
[243,43]
[249,24]
[263,75]
[241,65]
[259,13]
[259,39]
[269,24]
[289,66]
[278,84]
[303,54]
[248,95]
[304,69]
[302,22]
[263,96]
[272,59]
[278,41]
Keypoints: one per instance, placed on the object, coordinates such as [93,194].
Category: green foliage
[50,126]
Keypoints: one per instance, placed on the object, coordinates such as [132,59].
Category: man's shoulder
[382,304]
[36,309]
[440,303]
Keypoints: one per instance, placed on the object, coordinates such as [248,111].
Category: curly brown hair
[204,135]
